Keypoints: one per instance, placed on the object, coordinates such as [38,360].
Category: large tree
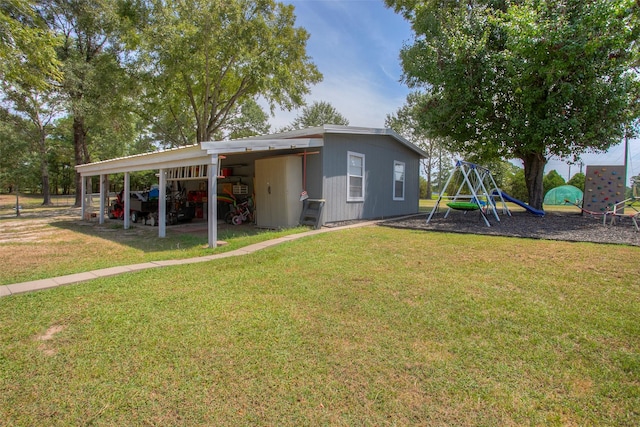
[14,153]
[203,58]
[39,107]
[317,114]
[94,82]
[406,121]
[525,79]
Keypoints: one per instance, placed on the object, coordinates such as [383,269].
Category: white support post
[126,195]
[212,201]
[88,197]
[162,204]
[103,179]
[83,197]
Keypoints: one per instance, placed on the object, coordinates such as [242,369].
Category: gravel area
[572,227]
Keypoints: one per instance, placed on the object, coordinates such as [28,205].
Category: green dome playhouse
[564,195]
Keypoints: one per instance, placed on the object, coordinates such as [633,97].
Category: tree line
[88,80]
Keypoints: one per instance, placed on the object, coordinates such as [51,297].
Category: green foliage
[516,186]
[424,193]
[204,58]
[27,46]
[247,120]
[318,114]
[634,189]
[14,150]
[97,89]
[525,79]
[40,107]
[406,122]
[577,180]
[552,180]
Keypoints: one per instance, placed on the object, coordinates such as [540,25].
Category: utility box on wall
[278,185]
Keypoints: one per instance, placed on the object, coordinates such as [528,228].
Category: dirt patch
[33,225]
[50,333]
[553,226]
[45,346]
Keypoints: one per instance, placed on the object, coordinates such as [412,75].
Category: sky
[356,45]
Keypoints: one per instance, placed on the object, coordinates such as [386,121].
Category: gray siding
[380,153]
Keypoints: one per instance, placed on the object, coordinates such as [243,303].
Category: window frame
[350,198]
[404,180]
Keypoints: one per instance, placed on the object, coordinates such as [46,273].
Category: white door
[278,186]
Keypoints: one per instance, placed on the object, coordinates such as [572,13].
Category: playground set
[477,191]
[603,195]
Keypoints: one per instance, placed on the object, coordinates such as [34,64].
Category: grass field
[369,326]
[37,246]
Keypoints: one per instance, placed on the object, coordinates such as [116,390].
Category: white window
[355,177]
[398,180]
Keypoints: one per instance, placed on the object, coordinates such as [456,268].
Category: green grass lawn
[37,246]
[368,326]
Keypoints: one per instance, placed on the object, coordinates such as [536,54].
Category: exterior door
[278,186]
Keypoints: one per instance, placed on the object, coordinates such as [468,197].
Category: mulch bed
[573,227]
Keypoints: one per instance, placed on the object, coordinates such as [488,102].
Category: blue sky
[356,44]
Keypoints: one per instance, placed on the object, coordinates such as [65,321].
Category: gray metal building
[359,173]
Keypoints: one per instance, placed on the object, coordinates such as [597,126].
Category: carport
[203,159]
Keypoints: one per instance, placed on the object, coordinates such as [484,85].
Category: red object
[196,196]
[226,172]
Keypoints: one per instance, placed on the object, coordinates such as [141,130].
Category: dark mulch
[573,227]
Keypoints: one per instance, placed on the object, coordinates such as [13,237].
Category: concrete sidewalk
[36,285]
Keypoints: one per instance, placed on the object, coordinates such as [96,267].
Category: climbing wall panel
[604,186]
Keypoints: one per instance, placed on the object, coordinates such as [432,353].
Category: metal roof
[338,129]
[199,154]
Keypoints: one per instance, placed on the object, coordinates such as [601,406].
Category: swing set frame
[481,193]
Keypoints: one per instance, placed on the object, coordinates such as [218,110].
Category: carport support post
[162,204]
[212,202]
[86,198]
[103,182]
[83,196]
[127,200]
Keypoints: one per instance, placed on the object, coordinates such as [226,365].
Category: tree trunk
[79,148]
[44,170]
[534,164]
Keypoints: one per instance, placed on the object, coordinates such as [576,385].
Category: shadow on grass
[182,236]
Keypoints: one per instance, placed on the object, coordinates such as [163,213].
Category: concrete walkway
[36,285]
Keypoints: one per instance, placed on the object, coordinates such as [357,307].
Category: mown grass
[369,326]
[37,249]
